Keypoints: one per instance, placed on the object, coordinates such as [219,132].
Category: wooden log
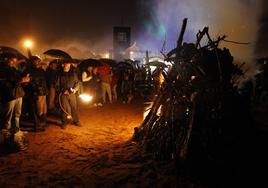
[183,28]
[200,35]
[179,41]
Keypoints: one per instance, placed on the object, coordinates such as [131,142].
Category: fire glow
[85,97]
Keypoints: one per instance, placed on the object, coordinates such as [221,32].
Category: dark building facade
[121,41]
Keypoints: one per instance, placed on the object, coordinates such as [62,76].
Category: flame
[85,97]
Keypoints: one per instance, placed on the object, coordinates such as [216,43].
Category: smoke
[83,28]
[79,48]
[262,39]
[237,19]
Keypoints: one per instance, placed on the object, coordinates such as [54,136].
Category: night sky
[84,26]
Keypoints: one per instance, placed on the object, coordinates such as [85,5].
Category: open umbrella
[110,62]
[90,63]
[105,69]
[157,64]
[125,64]
[6,51]
[56,53]
[76,61]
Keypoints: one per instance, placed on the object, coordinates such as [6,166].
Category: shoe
[8,138]
[39,128]
[63,125]
[100,104]
[95,104]
[77,123]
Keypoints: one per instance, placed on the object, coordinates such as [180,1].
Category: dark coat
[51,77]
[37,85]
[67,80]
[10,86]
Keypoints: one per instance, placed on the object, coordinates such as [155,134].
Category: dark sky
[87,24]
[51,21]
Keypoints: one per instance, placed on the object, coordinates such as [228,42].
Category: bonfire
[197,110]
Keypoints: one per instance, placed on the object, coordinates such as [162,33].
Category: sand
[98,154]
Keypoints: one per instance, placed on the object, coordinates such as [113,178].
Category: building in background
[121,41]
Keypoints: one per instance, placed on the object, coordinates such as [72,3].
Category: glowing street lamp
[28,44]
[107,55]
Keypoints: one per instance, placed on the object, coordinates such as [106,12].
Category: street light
[107,55]
[28,45]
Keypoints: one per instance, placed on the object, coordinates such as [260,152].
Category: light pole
[28,45]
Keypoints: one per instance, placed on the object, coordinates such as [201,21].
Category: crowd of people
[31,90]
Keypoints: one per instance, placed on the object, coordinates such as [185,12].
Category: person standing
[96,79]
[67,85]
[87,80]
[127,86]
[37,91]
[11,93]
[114,82]
[106,86]
[51,77]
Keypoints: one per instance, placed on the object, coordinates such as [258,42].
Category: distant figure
[87,80]
[67,86]
[78,72]
[11,81]
[97,87]
[127,87]
[106,87]
[115,77]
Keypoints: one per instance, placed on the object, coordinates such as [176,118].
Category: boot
[43,120]
[39,128]
[8,139]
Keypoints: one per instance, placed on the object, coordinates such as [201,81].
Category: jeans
[51,98]
[114,92]
[12,109]
[41,105]
[106,88]
[69,105]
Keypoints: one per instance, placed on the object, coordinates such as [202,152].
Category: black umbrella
[125,65]
[110,62]
[76,61]
[56,53]
[156,63]
[90,63]
[6,51]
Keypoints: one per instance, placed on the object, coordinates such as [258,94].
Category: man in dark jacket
[51,77]
[36,92]
[11,95]
[67,85]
